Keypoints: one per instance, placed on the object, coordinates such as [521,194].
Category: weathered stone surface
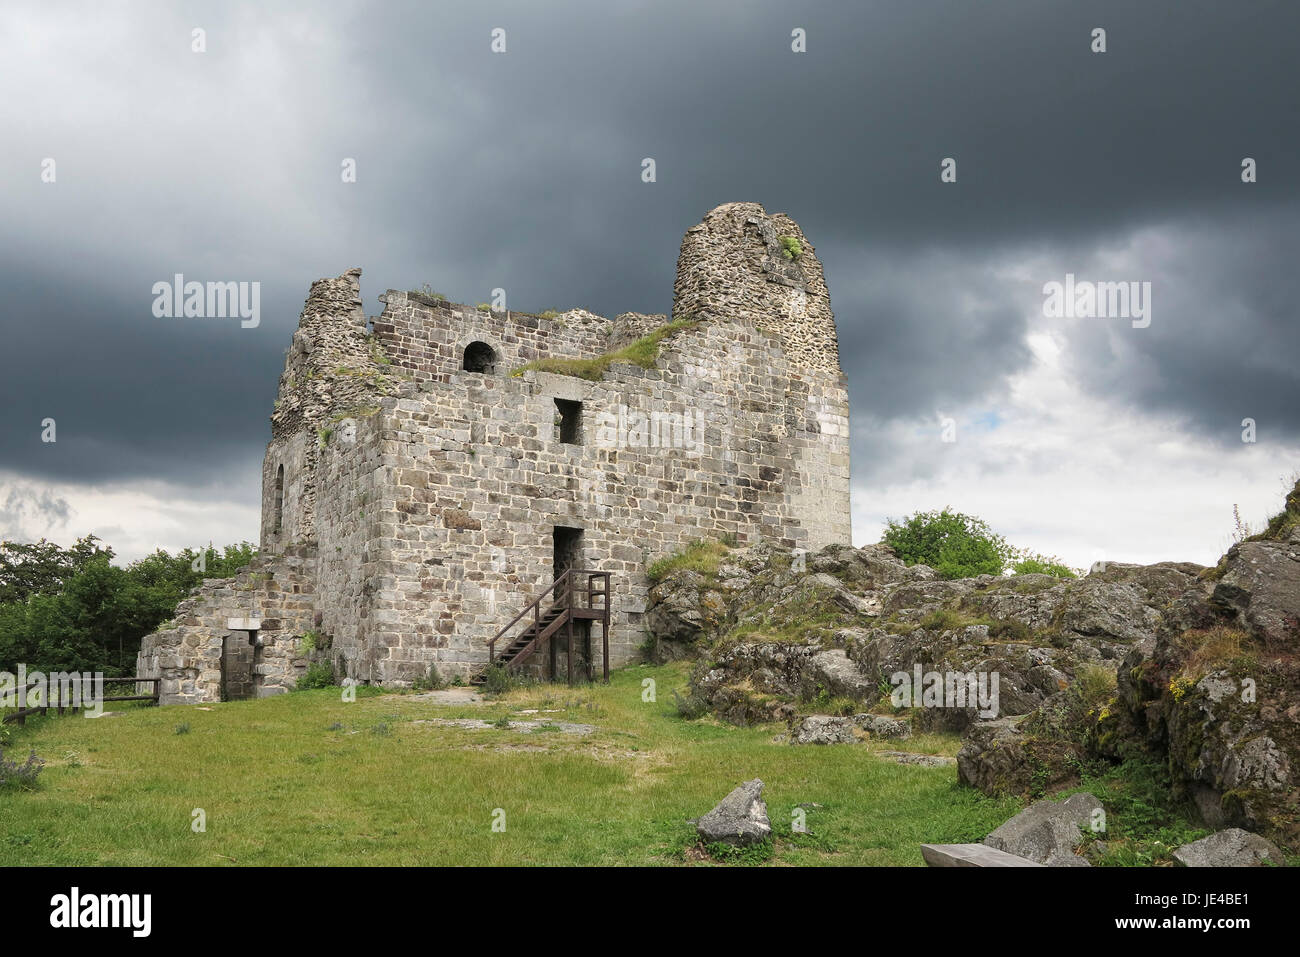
[740,819]
[831,729]
[971,855]
[683,607]
[1048,832]
[1260,588]
[1230,848]
[998,757]
[923,760]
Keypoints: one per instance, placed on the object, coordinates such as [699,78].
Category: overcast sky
[1084,437]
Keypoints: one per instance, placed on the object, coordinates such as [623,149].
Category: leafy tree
[42,568]
[93,618]
[953,544]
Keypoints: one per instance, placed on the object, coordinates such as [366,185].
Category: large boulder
[998,757]
[1231,848]
[832,729]
[834,671]
[683,606]
[1048,831]
[1260,589]
[740,819]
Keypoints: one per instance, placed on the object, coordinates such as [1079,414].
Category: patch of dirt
[524,727]
[456,696]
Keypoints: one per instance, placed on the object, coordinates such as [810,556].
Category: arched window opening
[480,357]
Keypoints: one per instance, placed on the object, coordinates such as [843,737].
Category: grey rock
[682,607]
[840,676]
[740,819]
[924,760]
[1261,587]
[1047,831]
[1230,848]
[832,729]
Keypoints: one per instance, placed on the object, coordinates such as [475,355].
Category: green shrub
[432,681]
[1145,822]
[320,674]
[1031,563]
[790,248]
[1011,629]
[953,544]
[497,679]
[308,643]
[758,853]
[944,619]
[691,705]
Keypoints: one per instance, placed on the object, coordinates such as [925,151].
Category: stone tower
[745,265]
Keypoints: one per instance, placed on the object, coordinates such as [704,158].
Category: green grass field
[308,779]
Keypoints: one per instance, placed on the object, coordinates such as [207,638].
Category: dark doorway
[567,550]
[567,554]
[238,661]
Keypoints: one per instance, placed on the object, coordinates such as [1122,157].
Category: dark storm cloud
[522,171]
[1223,339]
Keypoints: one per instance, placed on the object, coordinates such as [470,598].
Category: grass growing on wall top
[641,353]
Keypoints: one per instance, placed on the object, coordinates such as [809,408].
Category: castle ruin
[434,469]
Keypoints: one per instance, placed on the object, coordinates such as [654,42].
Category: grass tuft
[644,352]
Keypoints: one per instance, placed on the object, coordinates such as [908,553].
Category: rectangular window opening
[568,421]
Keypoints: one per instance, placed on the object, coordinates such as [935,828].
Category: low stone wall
[236,637]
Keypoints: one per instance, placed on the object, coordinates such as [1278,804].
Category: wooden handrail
[565,599]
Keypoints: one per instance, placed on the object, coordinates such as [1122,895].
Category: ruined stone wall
[427,337]
[354,491]
[334,368]
[275,595]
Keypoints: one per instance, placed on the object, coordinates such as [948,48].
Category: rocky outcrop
[1231,848]
[740,819]
[1048,832]
[1215,695]
[1195,669]
[854,618]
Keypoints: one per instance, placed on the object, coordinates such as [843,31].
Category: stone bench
[971,855]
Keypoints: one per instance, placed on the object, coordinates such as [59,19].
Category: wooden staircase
[571,597]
